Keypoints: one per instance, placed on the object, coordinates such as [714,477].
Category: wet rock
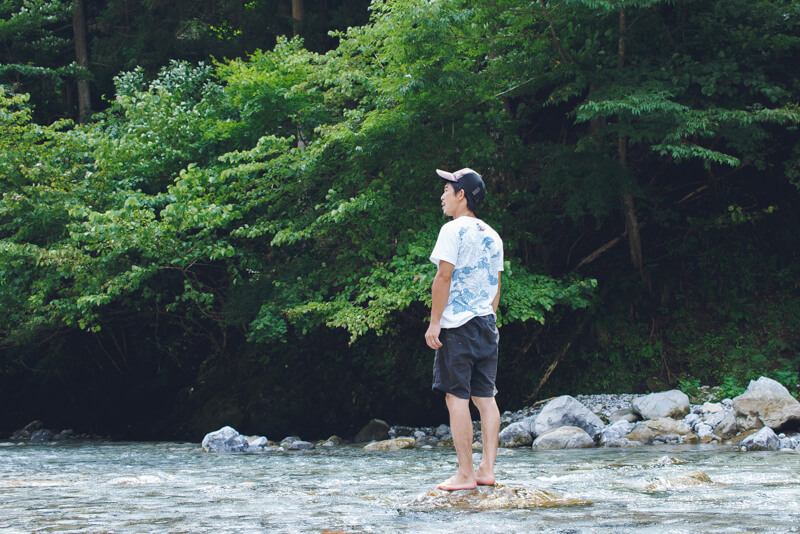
[516,435]
[42,436]
[332,441]
[615,431]
[695,478]
[664,429]
[226,439]
[375,430]
[567,411]
[703,430]
[626,414]
[565,437]
[674,404]
[445,442]
[391,444]
[763,440]
[288,440]
[766,403]
[300,445]
[788,443]
[427,441]
[493,498]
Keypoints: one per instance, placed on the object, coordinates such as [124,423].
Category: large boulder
[763,440]
[674,404]
[567,411]
[518,434]
[564,437]
[375,430]
[663,429]
[226,439]
[766,403]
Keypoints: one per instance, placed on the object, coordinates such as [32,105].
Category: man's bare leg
[490,429]
[461,430]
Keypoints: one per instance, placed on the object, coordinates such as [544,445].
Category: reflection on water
[168,487]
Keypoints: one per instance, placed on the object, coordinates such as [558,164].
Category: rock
[445,442]
[726,428]
[766,403]
[256,442]
[763,440]
[442,431]
[788,443]
[624,415]
[300,445]
[226,439]
[419,434]
[695,478]
[288,440]
[391,444]
[703,430]
[332,441]
[566,411]
[663,429]
[375,430]
[615,432]
[495,497]
[674,404]
[65,434]
[713,419]
[565,437]
[516,435]
[42,436]
[429,441]
[711,407]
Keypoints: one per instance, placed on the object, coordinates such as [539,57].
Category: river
[176,487]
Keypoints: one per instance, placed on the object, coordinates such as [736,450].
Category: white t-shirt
[476,251]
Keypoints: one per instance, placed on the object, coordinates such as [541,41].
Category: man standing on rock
[463,329]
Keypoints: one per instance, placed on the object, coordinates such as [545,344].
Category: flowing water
[175,487]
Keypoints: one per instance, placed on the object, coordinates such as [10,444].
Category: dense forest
[221,212]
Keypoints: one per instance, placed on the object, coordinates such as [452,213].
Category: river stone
[300,445]
[564,437]
[674,404]
[226,439]
[661,429]
[766,403]
[624,415]
[695,478]
[495,497]
[567,411]
[375,430]
[726,428]
[442,431]
[391,444]
[712,407]
[42,436]
[763,440]
[516,435]
[615,432]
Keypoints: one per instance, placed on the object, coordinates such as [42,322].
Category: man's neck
[463,212]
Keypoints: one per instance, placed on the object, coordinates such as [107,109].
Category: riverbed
[174,487]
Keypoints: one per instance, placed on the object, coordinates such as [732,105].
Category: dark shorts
[466,363]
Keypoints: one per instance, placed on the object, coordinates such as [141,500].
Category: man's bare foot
[458,482]
[485,479]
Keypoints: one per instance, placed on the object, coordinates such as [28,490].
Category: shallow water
[172,487]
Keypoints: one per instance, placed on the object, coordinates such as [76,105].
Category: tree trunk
[297,16]
[628,205]
[82,58]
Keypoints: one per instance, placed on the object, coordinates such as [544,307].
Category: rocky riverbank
[765,417]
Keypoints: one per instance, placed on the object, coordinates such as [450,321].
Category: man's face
[449,200]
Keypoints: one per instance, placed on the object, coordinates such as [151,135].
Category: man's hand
[432,336]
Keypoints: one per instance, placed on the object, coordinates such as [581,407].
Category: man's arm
[440,291]
[496,301]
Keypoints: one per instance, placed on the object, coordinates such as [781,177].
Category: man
[463,330]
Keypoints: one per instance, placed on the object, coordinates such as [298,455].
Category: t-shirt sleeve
[446,247]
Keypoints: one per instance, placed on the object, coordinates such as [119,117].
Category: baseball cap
[468,180]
